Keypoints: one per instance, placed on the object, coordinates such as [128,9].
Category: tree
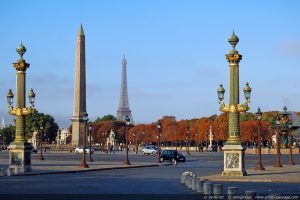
[246,116]
[107,117]
[100,129]
[221,127]
[35,120]
[269,117]
[7,134]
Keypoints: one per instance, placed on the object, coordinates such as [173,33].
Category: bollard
[231,191]
[183,175]
[182,178]
[199,187]
[207,188]
[2,173]
[190,179]
[8,172]
[218,189]
[250,194]
[186,178]
[16,170]
[194,182]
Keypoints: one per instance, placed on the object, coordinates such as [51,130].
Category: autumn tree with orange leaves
[175,132]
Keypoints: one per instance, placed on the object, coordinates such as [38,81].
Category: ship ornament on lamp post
[234,152]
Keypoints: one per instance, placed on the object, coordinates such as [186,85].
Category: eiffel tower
[124,109]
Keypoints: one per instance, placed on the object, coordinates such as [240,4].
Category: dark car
[171,155]
[34,150]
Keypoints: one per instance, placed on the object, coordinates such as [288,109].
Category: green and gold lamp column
[20,149]
[234,152]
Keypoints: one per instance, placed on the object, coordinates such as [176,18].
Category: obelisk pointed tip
[80,31]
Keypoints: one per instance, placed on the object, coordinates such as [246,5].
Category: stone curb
[90,170]
[248,180]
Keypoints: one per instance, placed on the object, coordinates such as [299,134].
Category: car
[34,150]
[212,148]
[149,150]
[171,155]
[79,150]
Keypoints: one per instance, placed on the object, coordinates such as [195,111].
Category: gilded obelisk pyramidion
[79,90]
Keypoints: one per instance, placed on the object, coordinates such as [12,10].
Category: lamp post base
[84,165]
[234,160]
[91,159]
[126,162]
[278,163]
[20,157]
[290,162]
[259,167]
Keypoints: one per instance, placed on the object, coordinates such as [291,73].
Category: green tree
[269,117]
[7,134]
[107,117]
[35,120]
[247,116]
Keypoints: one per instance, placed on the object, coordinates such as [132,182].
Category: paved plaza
[109,176]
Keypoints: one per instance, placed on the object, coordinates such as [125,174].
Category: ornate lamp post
[136,143]
[259,166]
[83,160]
[188,140]
[90,138]
[206,141]
[277,162]
[290,161]
[41,142]
[234,152]
[176,135]
[20,149]
[127,120]
[282,122]
[158,126]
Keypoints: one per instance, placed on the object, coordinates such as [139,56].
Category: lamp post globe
[31,97]
[10,97]
[221,92]
[247,91]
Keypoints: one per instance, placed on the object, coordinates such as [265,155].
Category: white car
[149,150]
[79,150]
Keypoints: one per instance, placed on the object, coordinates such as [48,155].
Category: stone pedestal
[77,129]
[234,160]
[20,157]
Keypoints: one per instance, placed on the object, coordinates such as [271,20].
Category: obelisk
[79,90]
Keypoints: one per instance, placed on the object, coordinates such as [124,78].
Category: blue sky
[175,52]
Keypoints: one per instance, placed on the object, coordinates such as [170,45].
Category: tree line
[175,131]
[34,122]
